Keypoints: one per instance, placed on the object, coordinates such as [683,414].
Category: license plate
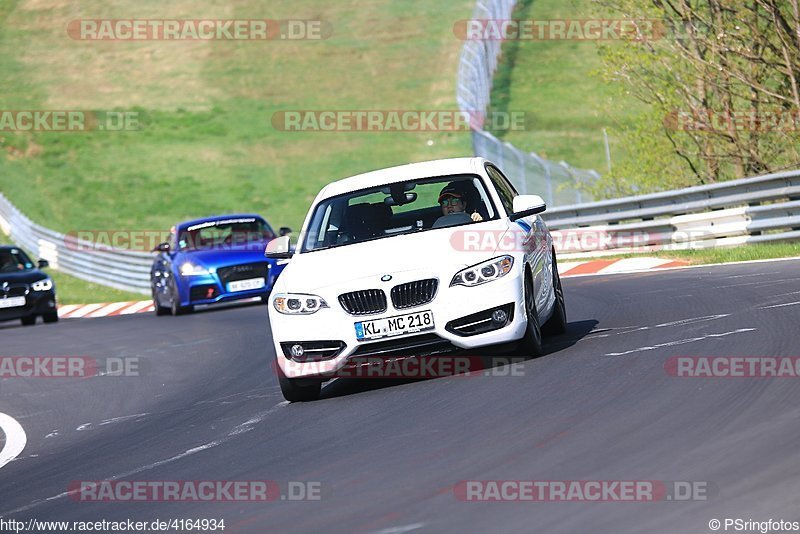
[13,302]
[244,285]
[395,326]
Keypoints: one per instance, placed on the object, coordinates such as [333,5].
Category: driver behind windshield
[453,200]
[9,263]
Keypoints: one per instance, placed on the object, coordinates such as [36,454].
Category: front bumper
[36,303]
[450,305]
[209,289]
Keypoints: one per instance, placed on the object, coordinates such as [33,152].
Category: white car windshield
[397,209]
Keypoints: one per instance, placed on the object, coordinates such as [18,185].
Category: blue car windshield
[223,234]
[14,260]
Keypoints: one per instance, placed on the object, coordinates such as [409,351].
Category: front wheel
[175,303]
[50,317]
[531,343]
[29,320]
[294,391]
[159,309]
[557,324]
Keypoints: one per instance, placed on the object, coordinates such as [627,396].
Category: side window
[504,188]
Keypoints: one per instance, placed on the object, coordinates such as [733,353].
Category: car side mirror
[279,248]
[285,230]
[527,205]
[162,247]
[43,264]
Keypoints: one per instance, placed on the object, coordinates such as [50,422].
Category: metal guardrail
[750,210]
[121,269]
[559,182]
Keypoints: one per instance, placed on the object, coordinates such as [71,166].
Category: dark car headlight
[43,285]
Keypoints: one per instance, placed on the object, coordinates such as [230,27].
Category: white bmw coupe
[415,260]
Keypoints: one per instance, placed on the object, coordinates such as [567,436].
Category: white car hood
[433,250]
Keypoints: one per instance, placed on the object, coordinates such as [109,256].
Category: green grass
[71,290]
[207,145]
[558,85]
[758,251]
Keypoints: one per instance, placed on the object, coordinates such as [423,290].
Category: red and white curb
[579,268]
[91,311]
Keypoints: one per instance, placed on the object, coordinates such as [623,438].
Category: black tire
[294,391]
[29,320]
[51,317]
[531,344]
[160,310]
[557,323]
[175,303]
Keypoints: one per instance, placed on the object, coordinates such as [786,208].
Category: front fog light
[499,316]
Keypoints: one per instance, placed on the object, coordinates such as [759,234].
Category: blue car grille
[242,272]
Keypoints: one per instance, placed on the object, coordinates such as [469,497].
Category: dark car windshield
[396,209]
[14,260]
[227,233]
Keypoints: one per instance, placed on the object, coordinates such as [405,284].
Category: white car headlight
[483,272]
[188,269]
[298,304]
[43,285]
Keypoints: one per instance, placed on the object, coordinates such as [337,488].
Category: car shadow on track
[475,365]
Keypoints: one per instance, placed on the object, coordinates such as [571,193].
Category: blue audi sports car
[212,260]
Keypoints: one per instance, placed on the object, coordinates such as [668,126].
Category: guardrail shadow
[490,363]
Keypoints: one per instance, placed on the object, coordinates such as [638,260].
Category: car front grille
[363,302]
[414,293]
[421,345]
[242,272]
[19,290]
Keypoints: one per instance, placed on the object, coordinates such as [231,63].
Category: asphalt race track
[387,453]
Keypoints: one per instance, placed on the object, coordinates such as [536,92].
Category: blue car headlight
[189,269]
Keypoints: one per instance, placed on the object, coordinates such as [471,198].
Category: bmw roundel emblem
[386,277]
